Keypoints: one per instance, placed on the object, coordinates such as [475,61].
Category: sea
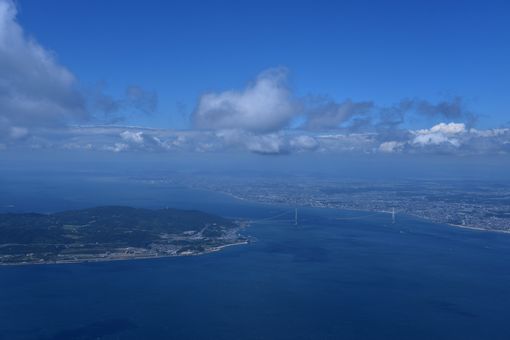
[334,275]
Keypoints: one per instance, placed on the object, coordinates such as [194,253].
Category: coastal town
[472,204]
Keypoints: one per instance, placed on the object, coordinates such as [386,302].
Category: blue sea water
[327,278]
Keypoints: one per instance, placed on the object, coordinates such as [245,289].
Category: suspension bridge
[392,213]
[291,216]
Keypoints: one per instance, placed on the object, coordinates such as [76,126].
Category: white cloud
[34,89]
[117,147]
[450,128]
[39,99]
[132,136]
[38,93]
[439,134]
[263,106]
[444,139]
[391,146]
[490,132]
[432,138]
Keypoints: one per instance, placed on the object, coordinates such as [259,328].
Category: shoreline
[364,210]
[478,228]
[134,258]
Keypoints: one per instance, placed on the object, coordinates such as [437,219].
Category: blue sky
[264,77]
[364,50]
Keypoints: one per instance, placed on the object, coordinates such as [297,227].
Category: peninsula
[112,233]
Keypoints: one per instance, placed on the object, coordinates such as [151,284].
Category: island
[113,233]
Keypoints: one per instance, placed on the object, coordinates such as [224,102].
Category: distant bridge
[278,216]
[289,213]
[393,214]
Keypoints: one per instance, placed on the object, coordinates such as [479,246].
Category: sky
[271,78]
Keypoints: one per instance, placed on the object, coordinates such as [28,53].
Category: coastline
[133,258]
[371,211]
[479,229]
[233,238]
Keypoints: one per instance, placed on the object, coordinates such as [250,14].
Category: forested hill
[106,229]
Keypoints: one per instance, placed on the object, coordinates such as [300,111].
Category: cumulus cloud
[37,93]
[450,128]
[132,136]
[265,105]
[443,138]
[35,90]
[40,103]
[440,133]
[451,138]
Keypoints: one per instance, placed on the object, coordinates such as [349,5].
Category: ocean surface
[337,275]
